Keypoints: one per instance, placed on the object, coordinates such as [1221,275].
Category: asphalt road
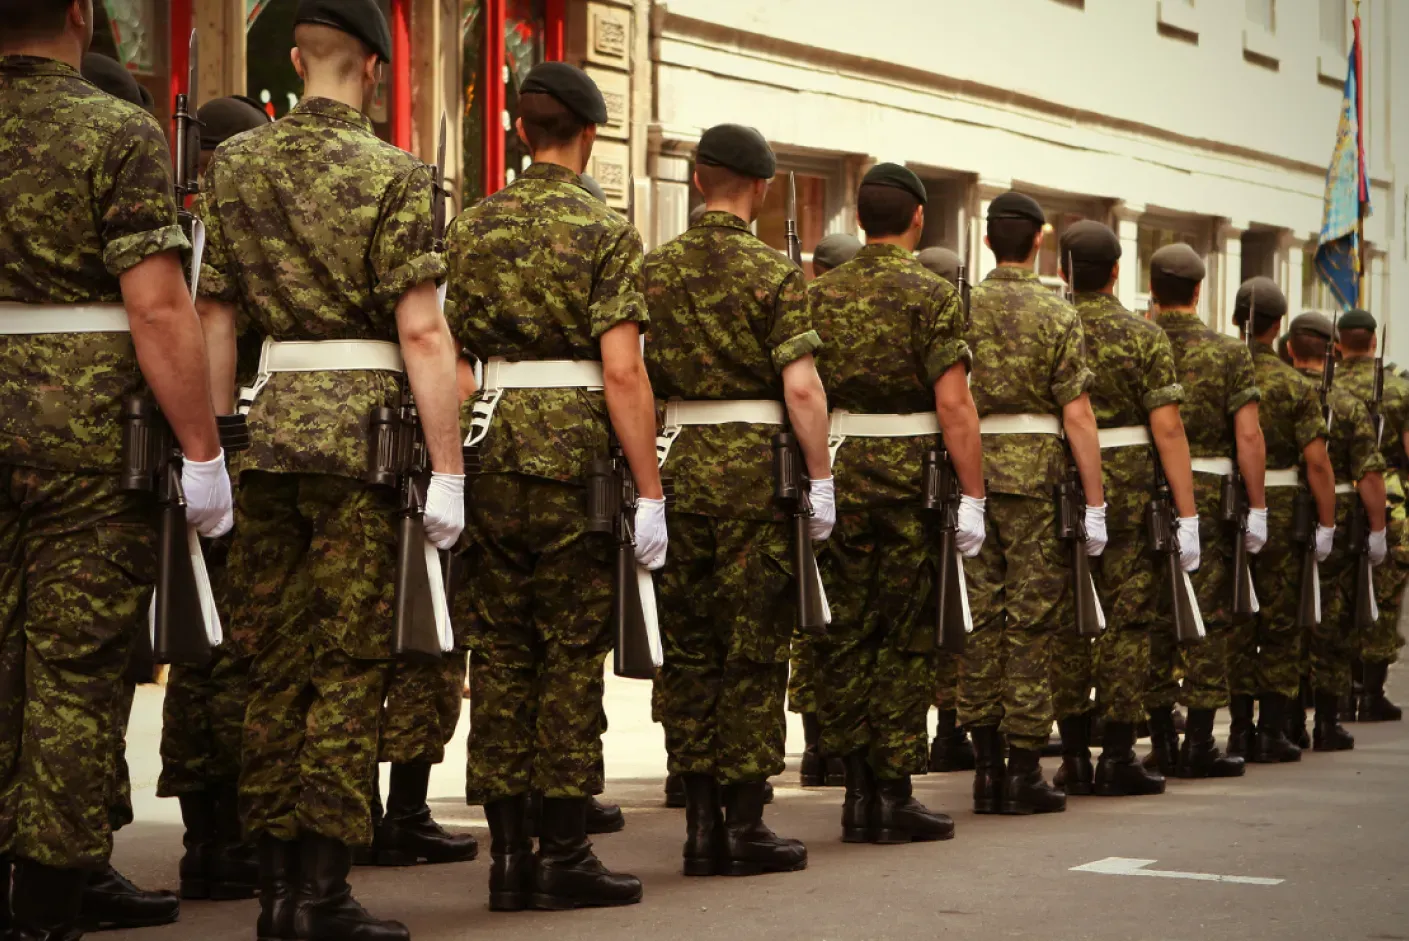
[1333,829]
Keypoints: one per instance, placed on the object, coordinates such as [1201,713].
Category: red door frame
[180,23]
[401,73]
[492,80]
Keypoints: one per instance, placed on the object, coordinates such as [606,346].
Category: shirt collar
[552,172]
[333,111]
[1008,273]
[721,220]
[1099,300]
[883,250]
[1259,348]
[1171,318]
[26,66]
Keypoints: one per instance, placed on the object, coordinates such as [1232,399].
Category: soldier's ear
[296,57]
[918,220]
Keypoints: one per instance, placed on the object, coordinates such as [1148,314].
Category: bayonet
[794,242]
[440,193]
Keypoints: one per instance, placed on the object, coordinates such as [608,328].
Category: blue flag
[1338,253]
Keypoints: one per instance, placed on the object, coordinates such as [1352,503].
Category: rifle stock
[1162,524]
[1308,611]
[790,490]
[611,508]
[1071,529]
[940,496]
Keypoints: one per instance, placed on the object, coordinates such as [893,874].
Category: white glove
[970,532]
[1324,536]
[1189,549]
[824,508]
[1378,547]
[651,538]
[1096,537]
[445,509]
[210,505]
[1256,536]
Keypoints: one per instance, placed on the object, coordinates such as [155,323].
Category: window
[811,214]
[1154,234]
[1263,14]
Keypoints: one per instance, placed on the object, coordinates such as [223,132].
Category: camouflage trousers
[77,562]
[875,668]
[802,675]
[1326,649]
[539,628]
[120,812]
[1264,651]
[1381,644]
[1020,596]
[946,681]
[1117,663]
[422,710]
[311,581]
[727,609]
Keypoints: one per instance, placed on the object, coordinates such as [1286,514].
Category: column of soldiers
[317,295]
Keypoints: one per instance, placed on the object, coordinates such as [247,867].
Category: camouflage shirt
[1134,367]
[1290,411]
[1216,374]
[727,314]
[892,328]
[540,270]
[1029,359]
[315,230]
[1357,376]
[1351,442]
[85,196]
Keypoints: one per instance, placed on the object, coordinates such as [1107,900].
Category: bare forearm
[1322,481]
[632,408]
[218,326]
[1372,495]
[1173,447]
[965,446]
[806,401]
[1252,454]
[1080,424]
[430,366]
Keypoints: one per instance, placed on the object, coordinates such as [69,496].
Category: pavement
[1324,845]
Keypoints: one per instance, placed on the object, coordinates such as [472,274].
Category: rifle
[611,509]
[1365,609]
[1308,612]
[1161,522]
[1233,511]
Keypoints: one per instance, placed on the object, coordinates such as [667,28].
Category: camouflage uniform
[727,314]
[85,195]
[1134,367]
[1264,654]
[1216,374]
[422,710]
[312,565]
[894,329]
[539,270]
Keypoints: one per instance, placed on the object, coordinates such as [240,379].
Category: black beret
[902,178]
[1263,298]
[835,250]
[1358,319]
[738,148]
[223,118]
[1013,205]
[573,87]
[590,184]
[1178,261]
[942,262]
[1090,242]
[112,77]
[1311,322]
[360,18]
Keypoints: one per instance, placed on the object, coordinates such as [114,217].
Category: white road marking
[1123,866]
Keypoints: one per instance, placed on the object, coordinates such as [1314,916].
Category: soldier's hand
[445,509]
[824,509]
[1378,547]
[210,504]
[651,537]
[1190,550]
[1096,537]
[970,532]
[1256,536]
[1324,537]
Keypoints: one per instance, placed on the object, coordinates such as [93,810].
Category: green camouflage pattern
[120,812]
[422,710]
[1290,411]
[1216,374]
[538,624]
[1356,375]
[538,271]
[272,197]
[727,314]
[85,196]
[727,608]
[802,675]
[79,562]
[946,681]
[312,583]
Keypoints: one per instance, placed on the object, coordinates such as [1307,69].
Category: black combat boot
[989,769]
[1329,734]
[1350,705]
[278,887]
[233,862]
[324,908]
[1025,791]
[858,808]
[814,768]
[1297,732]
[566,873]
[45,903]
[604,817]
[674,791]
[1199,756]
[1273,746]
[1075,775]
[510,854]
[750,847]
[1164,741]
[111,901]
[198,816]
[1241,732]
[407,833]
[899,818]
[951,750]
[1118,773]
[1374,706]
[704,825]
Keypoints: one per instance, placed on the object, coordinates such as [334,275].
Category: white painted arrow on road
[1123,866]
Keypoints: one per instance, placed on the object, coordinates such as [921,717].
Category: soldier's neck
[741,207]
[905,240]
[347,93]
[569,157]
[61,48]
[1158,310]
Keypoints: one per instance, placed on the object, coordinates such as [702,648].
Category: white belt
[1285,477]
[1222,466]
[679,414]
[26,319]
[1020,425]
[277,356]
[846,424]
[1345,488]
[500,374]
[1128,437]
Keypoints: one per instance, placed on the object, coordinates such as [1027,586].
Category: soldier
[1136,399]
[833,251]
[1264,653]
[942,262]
[543,271]
[93,306]
[1359,468]
[732,350]
[312,566]
[1378,648]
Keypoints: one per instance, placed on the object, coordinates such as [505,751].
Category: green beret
[738,148]
[1088,242]
[1312,322]
[1013,205]
[571,86]
[590,184]
[942,262]
[112,77]
[835,250]
[901,178]
[360,18]
[1358,319]
[223,118]
[1178,261]
[1263,298]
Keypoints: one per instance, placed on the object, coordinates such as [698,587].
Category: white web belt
[29,319]
[846,424]
[679,414]
[1222,466]
[320,356]
[1130,436]
[500,375]
[1345,488]
[1020,425]
[1282,477]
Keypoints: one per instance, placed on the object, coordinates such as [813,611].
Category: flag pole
[1362,188]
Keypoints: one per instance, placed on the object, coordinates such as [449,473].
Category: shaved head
[331,53]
